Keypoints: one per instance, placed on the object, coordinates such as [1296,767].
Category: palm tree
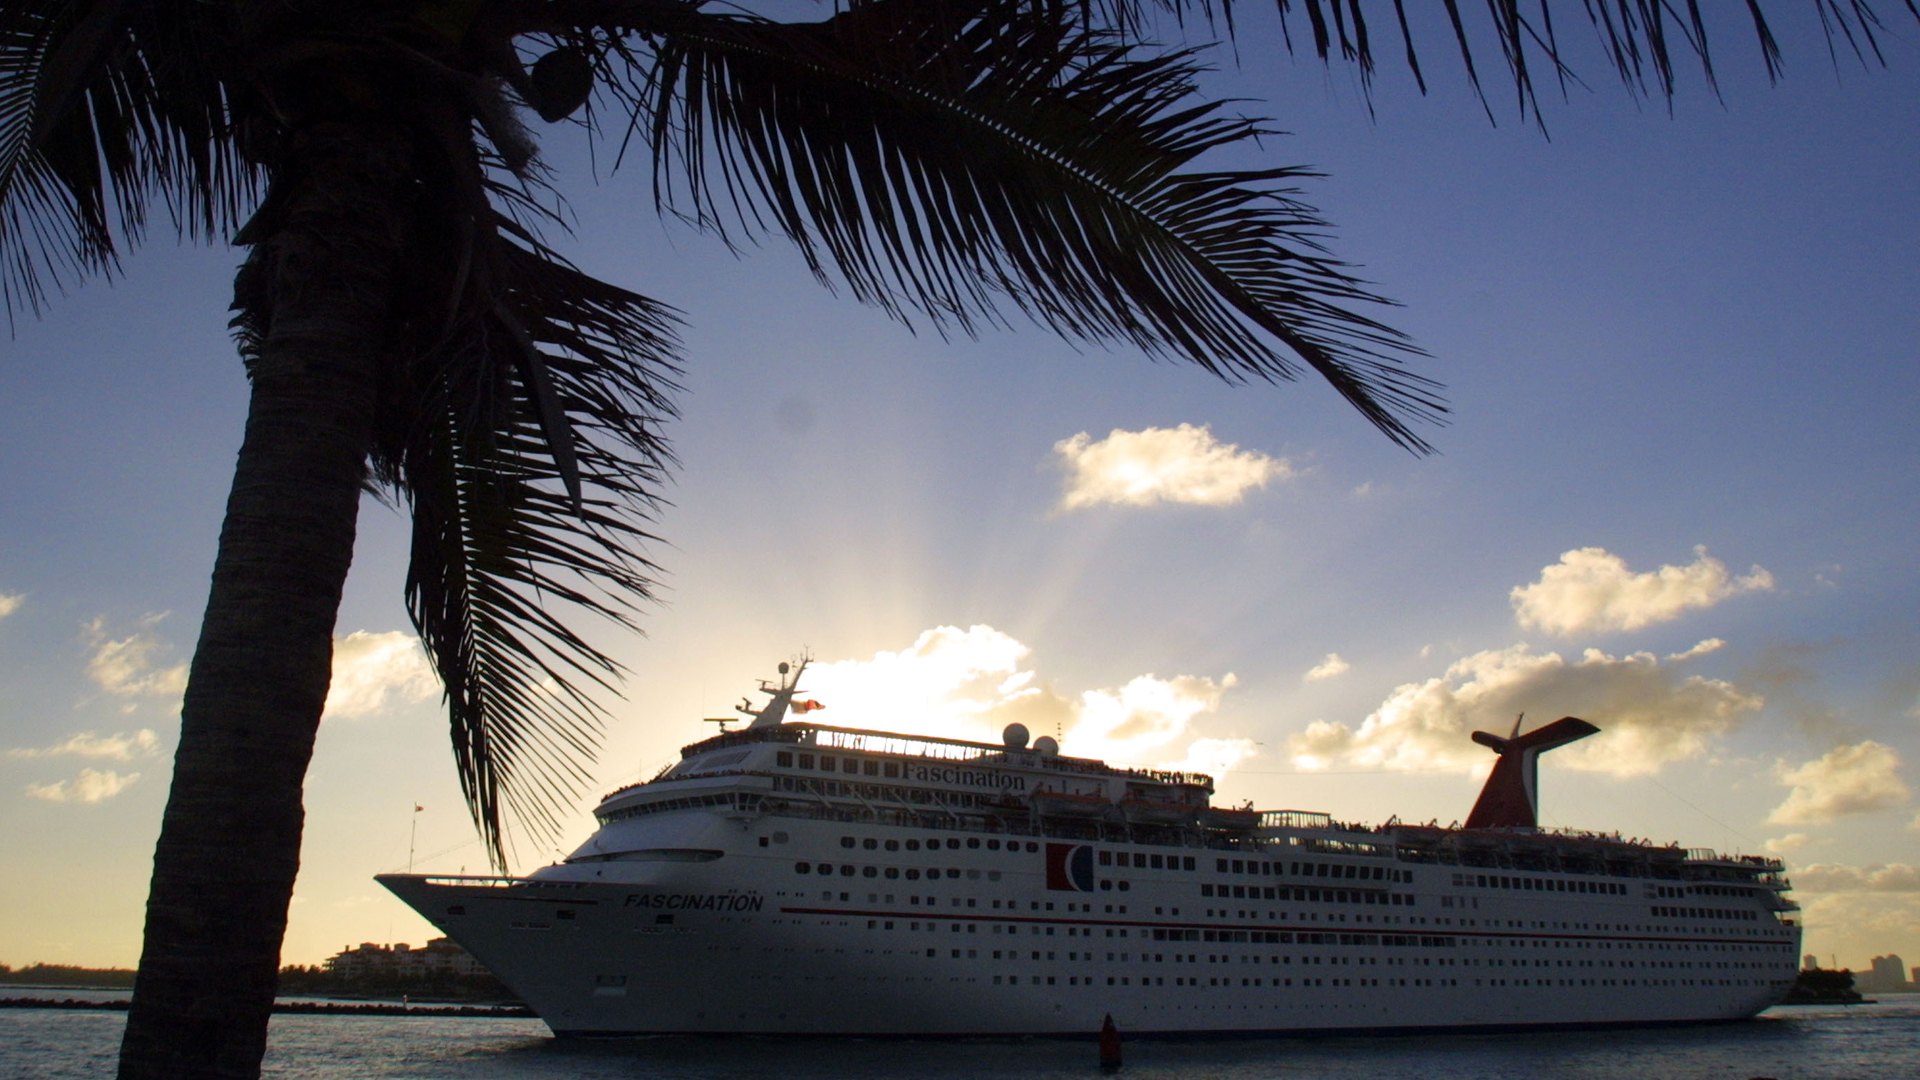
[406,327]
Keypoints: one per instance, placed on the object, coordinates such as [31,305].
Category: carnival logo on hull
[1070,867]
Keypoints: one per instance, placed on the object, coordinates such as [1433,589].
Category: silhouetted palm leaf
[1643,41]
[497,538]
[954,159]
[106,105]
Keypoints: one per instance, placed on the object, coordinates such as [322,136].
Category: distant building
[1809,962]
[402,961]
[1887,975]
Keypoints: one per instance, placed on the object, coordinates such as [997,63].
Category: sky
[1677,496]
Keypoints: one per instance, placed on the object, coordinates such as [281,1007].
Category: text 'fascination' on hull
[797,878]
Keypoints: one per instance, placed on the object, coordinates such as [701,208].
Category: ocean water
[1869,1042]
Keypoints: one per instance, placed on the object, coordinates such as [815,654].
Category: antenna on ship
[780,697]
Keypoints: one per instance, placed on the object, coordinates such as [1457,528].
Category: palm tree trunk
[229,846]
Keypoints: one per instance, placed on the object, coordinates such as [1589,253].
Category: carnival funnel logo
[1070,867]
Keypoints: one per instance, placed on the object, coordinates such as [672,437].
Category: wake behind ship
[797,878]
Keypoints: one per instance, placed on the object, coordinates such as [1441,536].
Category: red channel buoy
[1109,1045]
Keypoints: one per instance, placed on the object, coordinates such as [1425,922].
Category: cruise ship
[794,878]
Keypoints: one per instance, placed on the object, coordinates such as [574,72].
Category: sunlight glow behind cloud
[1649,714]
[970,684]
[121,747]
[1327,669]
[126,667]
[91,786]
[1176,465]
[1591,590]
[1833,878]
[369,669]
[11,604]
[1857,779]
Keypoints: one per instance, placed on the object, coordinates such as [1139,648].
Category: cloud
[1788,843]
[1327,669]
[126,666]
[1878,877]
[1857,779]
[91,786]
[1710,645]
[369,669]
[970,684]
[1591,590]
[121,747]
[1176,465]
[1649,713]
[11,604]
[1215,757]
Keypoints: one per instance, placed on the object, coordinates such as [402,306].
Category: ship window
[806,761]
[1106,858]
[1123,886]
[953,843]
[973,841]
[1239,867]
[870,843]
[993,845]
[826,763]
[869,872]
[871,768]
[846,841]
[457,909]
[850,765]
[913,845]
[1189,863]
[913,875]
[1220,866]
[846,871]
[1031,846]
[1156,862]
[783,758]
[893,769]
[801,868]
[1140,860]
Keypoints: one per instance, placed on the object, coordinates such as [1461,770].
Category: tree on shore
[406,326]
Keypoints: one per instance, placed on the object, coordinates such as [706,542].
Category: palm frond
[501,547]
[1645,42]
[952,161]
[105,106]
[519,420]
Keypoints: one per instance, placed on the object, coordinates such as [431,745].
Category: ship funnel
[1511,799]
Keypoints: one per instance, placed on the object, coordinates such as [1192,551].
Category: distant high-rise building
[1887,975]
[1809,962]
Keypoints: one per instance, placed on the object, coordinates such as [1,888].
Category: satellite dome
[1015,736]
[1047,746]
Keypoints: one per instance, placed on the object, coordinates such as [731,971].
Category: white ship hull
[742,943]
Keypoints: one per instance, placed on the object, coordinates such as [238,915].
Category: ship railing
[472,881]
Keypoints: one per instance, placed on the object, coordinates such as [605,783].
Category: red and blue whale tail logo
[1511,799]
[1070,867]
